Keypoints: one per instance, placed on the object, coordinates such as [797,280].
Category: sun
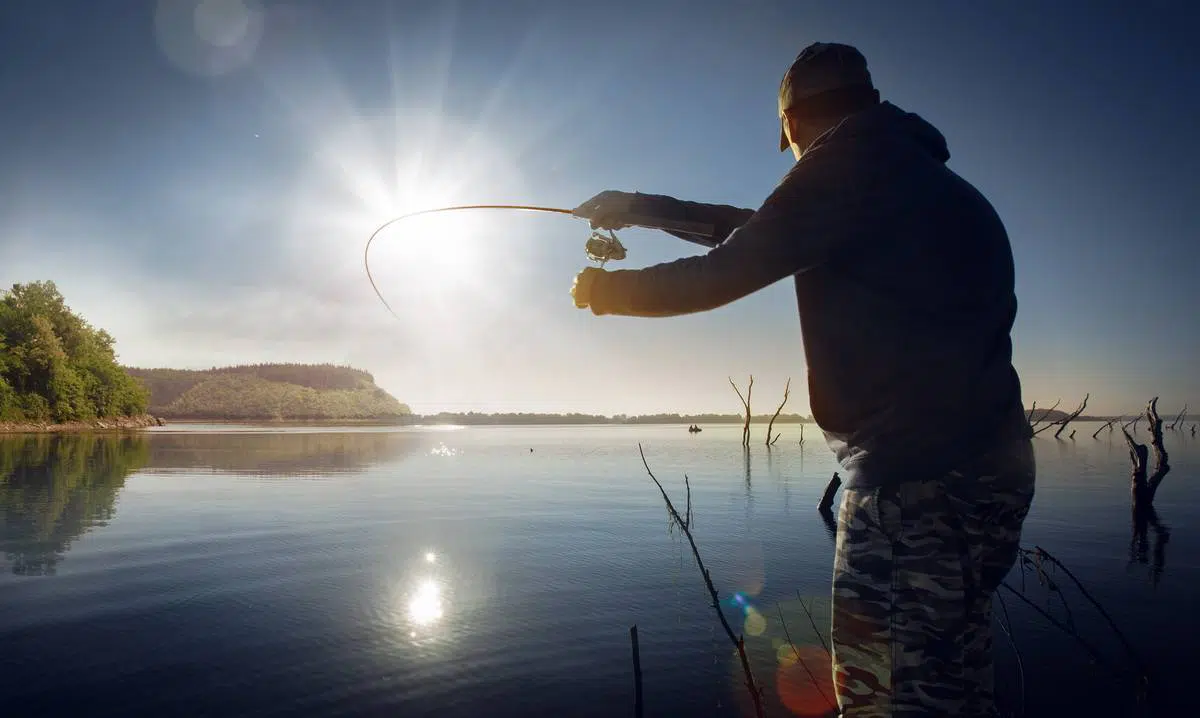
[431,256]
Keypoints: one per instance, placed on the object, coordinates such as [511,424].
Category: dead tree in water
[831,488]
[786,391]
[1062,423]
[1179,419]
[825,508]
[1144,487]
[1045,412]
[1107,425]
[1142,491]
[746,404]
[684,525]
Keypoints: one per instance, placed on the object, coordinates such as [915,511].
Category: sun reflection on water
[425,605]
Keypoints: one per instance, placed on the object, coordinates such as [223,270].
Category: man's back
[906,329]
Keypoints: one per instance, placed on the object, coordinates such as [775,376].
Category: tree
[56,366]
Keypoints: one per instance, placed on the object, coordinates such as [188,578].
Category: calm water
[226,571]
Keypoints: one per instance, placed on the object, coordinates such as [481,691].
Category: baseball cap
[826,77]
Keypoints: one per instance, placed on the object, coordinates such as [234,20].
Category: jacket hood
[886,118]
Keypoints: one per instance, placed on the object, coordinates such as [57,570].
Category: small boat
[693,429]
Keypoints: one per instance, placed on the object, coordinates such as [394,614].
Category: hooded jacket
[904,282]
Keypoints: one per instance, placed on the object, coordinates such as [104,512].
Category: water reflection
[1145,518]
[54,488]
[425,607]
[280,453]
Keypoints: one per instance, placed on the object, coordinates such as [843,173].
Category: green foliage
[269,392]
[54,366]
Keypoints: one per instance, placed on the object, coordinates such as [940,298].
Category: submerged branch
[1107,425]
[1161,465]
[799,659]
[786,391]
[813,623]
[826,505]
[1045,555]
[1072,416]
[1179,419]
[1096,655]
[745,404]
[737,641]
[1045,413]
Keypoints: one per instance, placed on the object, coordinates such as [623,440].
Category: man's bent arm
[804,220]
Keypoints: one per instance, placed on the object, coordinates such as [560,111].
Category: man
[904,281]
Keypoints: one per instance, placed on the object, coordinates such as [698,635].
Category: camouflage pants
[915,569]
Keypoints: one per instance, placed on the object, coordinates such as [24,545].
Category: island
[57,372]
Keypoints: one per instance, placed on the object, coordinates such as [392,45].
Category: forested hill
[269,392]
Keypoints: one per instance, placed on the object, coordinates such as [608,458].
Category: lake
[496,571]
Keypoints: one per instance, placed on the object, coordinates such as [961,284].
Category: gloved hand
[581,288]
[611,209]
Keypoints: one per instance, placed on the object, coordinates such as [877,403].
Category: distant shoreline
[108,424]
[146,421]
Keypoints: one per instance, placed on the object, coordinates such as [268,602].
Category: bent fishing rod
[598,247]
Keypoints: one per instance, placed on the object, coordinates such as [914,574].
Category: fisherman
[904,281]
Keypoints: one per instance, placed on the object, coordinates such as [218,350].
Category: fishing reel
[602,249]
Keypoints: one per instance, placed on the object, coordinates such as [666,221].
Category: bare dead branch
[687,514]
[1161,465]
[812,622]
[1045,413]
[1097,657]
[1072,416]
[737,641]
[1062,422]
[786,391]
[1107,425]
[1043,554]
[1032,409]
[831,488]
[800,659]
[1179,418]
[1072,436]
[746,404]
[1138,456]
[1006,626]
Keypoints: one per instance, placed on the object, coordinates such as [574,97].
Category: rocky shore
[113,423]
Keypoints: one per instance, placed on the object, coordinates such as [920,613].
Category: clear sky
[200,177]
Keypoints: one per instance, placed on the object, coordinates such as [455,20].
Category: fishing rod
[598,247]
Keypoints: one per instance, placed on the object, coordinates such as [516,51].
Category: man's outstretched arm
[614,209]
[723,218]
[805,219]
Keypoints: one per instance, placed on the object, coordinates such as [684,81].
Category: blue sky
[200,178]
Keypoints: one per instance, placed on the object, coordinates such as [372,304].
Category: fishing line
[394,220]
[599,247]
